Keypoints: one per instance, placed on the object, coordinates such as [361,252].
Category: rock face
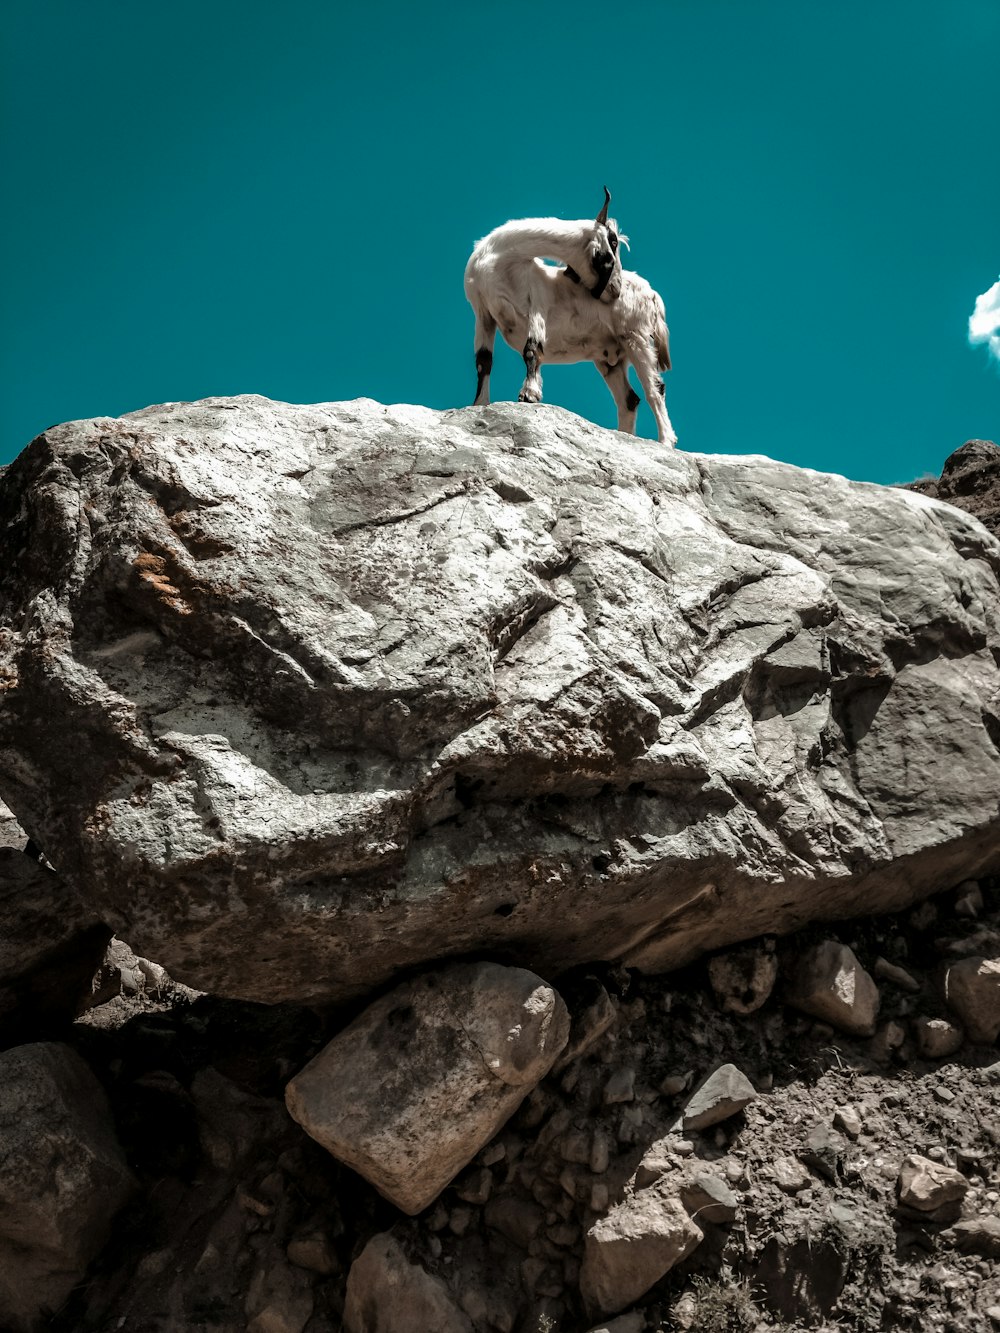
[352,687]
[63,1177]
[970,479]
[409,1092]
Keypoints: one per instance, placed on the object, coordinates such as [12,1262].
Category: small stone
[937,1038]
[674,1084]
[564,1234]
[493,1154]
[944,1094]
[631,1248]
[518,1219]
[972,991]
[599,1197]
[600,1153]
[574,1146]
[993,1315]
[459,1221]
[314,1253]
[708,1199]
[790,1175]
[898,976]
[829,983]
[924,916]
[251,1204]
[475,1186]
[823,1150]
[724,1093]
[928,1186]
[968,899]
[743,979]
[657,1160]
[849,1120]
[620,1087]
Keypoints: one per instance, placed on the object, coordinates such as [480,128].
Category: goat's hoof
[529,396]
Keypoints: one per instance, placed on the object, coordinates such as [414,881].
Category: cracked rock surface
[353,687]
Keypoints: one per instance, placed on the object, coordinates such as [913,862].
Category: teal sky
[231,196]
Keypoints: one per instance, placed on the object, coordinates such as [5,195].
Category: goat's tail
[661,335]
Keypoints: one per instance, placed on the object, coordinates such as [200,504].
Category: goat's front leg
[486,332]
[626,398]
[653,387]
[534,348]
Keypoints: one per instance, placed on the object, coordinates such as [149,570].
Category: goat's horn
[602,216]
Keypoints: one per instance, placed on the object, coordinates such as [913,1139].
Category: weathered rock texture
[969,479]
[411,1090]
[300,696]
[63,1177]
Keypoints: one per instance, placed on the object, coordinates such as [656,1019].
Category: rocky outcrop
[411,1090]
[352,688]
[63,1177]
[970,479]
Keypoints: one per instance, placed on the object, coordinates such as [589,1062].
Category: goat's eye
[613,242]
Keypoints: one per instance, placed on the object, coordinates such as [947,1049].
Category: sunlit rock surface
[298,697]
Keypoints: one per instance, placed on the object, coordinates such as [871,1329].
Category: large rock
[410,1091]
[63,1177]
[350,687]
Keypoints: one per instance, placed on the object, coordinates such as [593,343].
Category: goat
[550,312]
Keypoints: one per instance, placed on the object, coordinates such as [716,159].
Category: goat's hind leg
[626,398]
[486,332]
[531,389]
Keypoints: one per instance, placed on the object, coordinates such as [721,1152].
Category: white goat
[552,315]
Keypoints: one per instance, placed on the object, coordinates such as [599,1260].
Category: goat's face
[603,256]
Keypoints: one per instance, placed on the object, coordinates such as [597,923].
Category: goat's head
[603,256]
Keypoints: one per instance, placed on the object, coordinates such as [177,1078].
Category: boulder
[388,1293]
[51,944]
[352,687]
[63,1177]
[829,983]
[410,1091]
[972,989]
[632,1247]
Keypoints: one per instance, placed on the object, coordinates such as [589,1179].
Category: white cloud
[984,322]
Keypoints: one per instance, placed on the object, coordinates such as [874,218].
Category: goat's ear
[602,216]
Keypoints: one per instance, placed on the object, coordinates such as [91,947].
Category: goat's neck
[548,238]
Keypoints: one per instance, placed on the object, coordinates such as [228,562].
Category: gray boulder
[63,1177]
[351,687]
[410,1091]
